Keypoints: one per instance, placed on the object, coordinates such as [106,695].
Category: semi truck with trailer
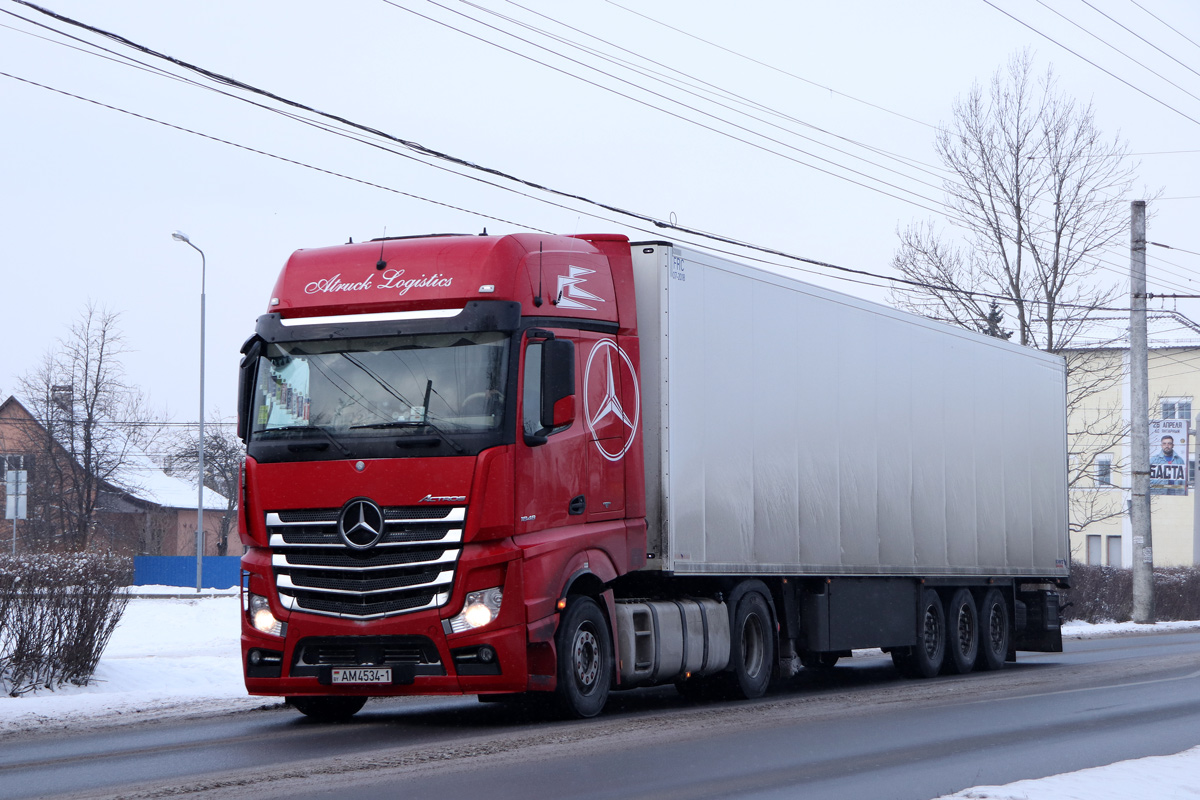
[557,466]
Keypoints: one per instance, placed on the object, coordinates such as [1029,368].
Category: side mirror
[251,352]
[558,383]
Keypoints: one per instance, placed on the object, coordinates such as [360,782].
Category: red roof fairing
[572,276]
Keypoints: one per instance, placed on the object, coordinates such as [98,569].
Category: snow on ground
[1159,777]
[169,656]
[175,655]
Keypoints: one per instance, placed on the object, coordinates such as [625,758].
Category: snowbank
[1160,777]
[167,657]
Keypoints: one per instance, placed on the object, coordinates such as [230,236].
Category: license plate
[362,676]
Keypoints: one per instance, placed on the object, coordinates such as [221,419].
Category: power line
[1164,22]
[1054,41]
[355,137]
[1119,270]
[1177,249]
[768,66]
[692,80]
[470,165]
[1118,50]
[1143,39]
[679,116]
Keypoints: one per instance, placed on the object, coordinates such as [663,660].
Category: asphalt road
[858,731]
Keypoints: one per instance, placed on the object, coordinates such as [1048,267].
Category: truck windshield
[396,385]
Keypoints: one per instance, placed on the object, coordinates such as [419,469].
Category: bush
[57,613]
[1105,594]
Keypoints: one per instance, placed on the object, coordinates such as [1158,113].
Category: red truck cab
[444,462]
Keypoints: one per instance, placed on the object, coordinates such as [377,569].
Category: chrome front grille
[410,569]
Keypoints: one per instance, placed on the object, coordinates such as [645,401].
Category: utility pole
[1139,436]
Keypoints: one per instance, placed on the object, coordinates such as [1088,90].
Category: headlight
[261,617]
[480,608]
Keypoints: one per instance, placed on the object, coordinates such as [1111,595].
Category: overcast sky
[91,194]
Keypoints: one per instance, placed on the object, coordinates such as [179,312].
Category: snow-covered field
[178,656]
[167,657]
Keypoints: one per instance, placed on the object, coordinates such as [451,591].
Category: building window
[1114,551]
[1177,408]
[1103,466]
[1093,550]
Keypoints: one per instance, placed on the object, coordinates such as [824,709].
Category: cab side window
[532,390]
[548,388]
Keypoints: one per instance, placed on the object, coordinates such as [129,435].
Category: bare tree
[93,423]
[1037,193]
[224,455]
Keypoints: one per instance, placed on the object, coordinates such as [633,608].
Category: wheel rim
[996,628]
[585,657]
[753,645]
[933,632]
[966,630]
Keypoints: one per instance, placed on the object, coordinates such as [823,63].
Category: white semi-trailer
[505,464]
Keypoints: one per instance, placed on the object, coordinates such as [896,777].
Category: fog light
[261,617]
[486,654]
[479,609]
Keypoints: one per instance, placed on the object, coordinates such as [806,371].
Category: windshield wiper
[309,429]
[412,423]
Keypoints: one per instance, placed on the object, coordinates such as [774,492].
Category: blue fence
[217,572]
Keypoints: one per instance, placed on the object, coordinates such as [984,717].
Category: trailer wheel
[327,709]
[962,634]
[994,632]
[753,646]
[924,660]
[585,659]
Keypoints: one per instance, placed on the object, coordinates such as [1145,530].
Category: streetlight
[180,236]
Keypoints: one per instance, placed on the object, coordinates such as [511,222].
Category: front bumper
[422,658]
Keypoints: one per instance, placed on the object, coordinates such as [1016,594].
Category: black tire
[962,634]
[924,660]
[585,659]
[993,631]
[327,709]
[752,649]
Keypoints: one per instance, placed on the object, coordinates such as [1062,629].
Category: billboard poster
[1168,456]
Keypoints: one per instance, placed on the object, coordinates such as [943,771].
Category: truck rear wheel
[328,709]
[962,633]
[585,659]
[924,659]
[753,646]
[994,632]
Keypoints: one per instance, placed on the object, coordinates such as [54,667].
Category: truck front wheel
[753,646]
[585,658]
